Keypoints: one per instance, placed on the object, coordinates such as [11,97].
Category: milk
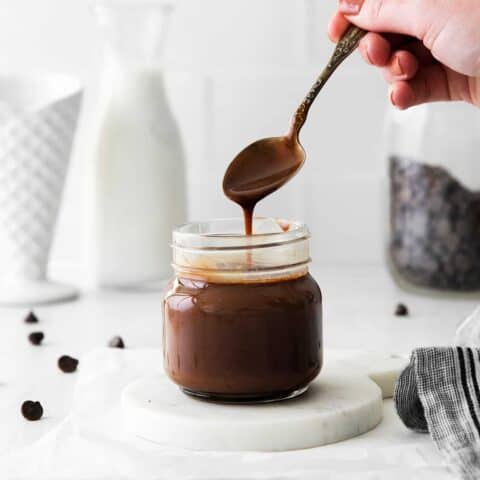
[139,180]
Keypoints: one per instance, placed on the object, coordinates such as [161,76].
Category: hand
[428,50]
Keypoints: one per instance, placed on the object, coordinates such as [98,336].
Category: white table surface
[358,314]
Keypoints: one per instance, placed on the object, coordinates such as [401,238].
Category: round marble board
[343,402]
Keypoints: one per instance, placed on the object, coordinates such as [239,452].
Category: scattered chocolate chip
[67,364]
[116,342]
[31,318]
[36,338]
[32,410]
[401,310]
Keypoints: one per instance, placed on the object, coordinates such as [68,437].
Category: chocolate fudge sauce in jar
[243,316]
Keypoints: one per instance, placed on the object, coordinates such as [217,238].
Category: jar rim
[227,233]
[220,252]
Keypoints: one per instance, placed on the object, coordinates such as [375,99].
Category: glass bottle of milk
[139,161]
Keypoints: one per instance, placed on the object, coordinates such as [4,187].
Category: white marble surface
[359,302]
[342,403]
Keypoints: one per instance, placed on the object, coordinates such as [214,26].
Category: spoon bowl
[261,168]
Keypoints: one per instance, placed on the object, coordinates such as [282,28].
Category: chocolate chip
[31,318]
[32,410]
[401,310]
[116,342]
[36,338]
[67,364]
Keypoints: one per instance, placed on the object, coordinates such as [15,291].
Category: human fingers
[337,25]
[430,84]
[402,65]
[375,49]
[407,17]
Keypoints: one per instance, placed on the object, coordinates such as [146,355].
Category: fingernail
[397,68]
[367,55]
[392,100]
[350,7]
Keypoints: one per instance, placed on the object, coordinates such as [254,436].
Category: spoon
[267,164]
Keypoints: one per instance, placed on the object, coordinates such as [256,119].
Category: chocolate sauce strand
[248,219]
[347,44]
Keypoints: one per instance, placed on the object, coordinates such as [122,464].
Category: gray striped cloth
[438,392]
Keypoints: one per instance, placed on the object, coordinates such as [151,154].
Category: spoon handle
[346,45]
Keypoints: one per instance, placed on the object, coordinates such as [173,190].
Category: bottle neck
[134,34]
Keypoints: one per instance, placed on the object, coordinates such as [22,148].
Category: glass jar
[434,197]
[242,317]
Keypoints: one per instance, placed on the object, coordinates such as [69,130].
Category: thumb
[407,17]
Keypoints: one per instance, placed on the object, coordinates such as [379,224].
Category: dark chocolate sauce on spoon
[267,164]
[259,170]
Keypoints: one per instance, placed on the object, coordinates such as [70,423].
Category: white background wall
[245,65]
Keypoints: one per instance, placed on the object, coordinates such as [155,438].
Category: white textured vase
[38,118]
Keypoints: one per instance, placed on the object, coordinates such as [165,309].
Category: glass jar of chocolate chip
[434,175]
[243,316]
